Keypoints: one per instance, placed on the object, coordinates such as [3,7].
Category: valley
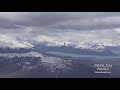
[42,60]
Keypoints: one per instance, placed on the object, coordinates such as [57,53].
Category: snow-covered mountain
[76,44]
[28,44]
[55,43]
[18,43]
[92,46]
[95,46]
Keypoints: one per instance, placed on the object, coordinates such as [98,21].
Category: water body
[57,53]
[116,52]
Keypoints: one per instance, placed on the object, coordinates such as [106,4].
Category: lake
[116,52]
[57,53]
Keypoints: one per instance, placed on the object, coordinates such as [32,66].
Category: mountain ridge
[19,45]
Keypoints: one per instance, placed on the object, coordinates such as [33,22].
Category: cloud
[6,37]
[35,19]
[84,20]
[42,38]
[7,24]
[62,26]
[90,24]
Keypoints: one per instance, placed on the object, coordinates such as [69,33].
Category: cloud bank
[61,26]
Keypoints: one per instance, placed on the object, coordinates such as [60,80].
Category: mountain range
[28,58]
[19,45]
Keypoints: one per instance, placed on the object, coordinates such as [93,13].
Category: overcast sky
[61,26]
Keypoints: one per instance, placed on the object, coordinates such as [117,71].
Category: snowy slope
[49,62]
[14,44]
[82,45]
[93,45]
[18,43]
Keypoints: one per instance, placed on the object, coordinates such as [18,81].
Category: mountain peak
[18,39]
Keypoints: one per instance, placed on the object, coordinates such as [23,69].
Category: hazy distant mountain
[75,47]
[70,46]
